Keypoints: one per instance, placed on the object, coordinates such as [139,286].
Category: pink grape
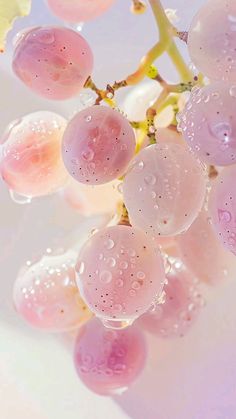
[212,39]
[164,189]
[222,208]
[208,123]
[54,62]
[90,200]
[46,295]
[120,273]
[30,160]
[79,10]
[181,305]
[98,145]
[203,253]
[109,361]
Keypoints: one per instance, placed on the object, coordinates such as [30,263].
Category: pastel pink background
[190,378]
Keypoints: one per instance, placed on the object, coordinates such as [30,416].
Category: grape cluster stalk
[164,169]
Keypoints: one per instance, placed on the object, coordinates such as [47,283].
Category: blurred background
[189,378]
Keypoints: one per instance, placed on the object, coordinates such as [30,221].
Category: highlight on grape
[162,163]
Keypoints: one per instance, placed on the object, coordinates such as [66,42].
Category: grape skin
[208,123]
[203,254]
[212,40]
[46,296]
[181,306]
[98,145]
[108,361]
[31,162]
[120,273]
[222,208]
[79,10]
[164,189]
[54,62]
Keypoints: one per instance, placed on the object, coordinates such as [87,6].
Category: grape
[108,361]
[54,62]
[181,305]
[208,123]
[90,200]
[203,254]
[120,273]
[46,295]
[98,145]
[164,189]
[79,10]
[212,39]
[31,162]
[222,208]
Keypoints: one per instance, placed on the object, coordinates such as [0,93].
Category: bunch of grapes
[166,170]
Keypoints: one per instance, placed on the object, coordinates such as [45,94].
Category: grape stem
[166,43]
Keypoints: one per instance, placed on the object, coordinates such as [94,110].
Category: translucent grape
[203,254]
[164,189]
[120,273]
[89,200]
[79,10]
[46,295]
[109,361]
[30,161]
[212,39]
[222,208]
[98,145]
[208,123]
[54,62]
[182,303]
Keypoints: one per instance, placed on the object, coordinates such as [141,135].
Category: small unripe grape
[222,208]
[54,62]
[109,361]
[212,39]
[164,189]
[208,123]
[203,254]
[181,306]
[79,10]
[120,273]
[30,161]
[98,145]
[46,295]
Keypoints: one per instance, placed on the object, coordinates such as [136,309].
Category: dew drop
[19,199]
[224,216]
[150,180]
[141,275]
[111,262]
[80,267]
[124,264]
[232,91]
[132,293]
[109,244]
[88,154]
[135,285]
[105,276]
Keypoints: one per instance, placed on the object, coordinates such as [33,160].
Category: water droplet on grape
[88,154]
[232,91]
[105,276]
[109,244]
[150,179]
[135,285]
[19,199]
